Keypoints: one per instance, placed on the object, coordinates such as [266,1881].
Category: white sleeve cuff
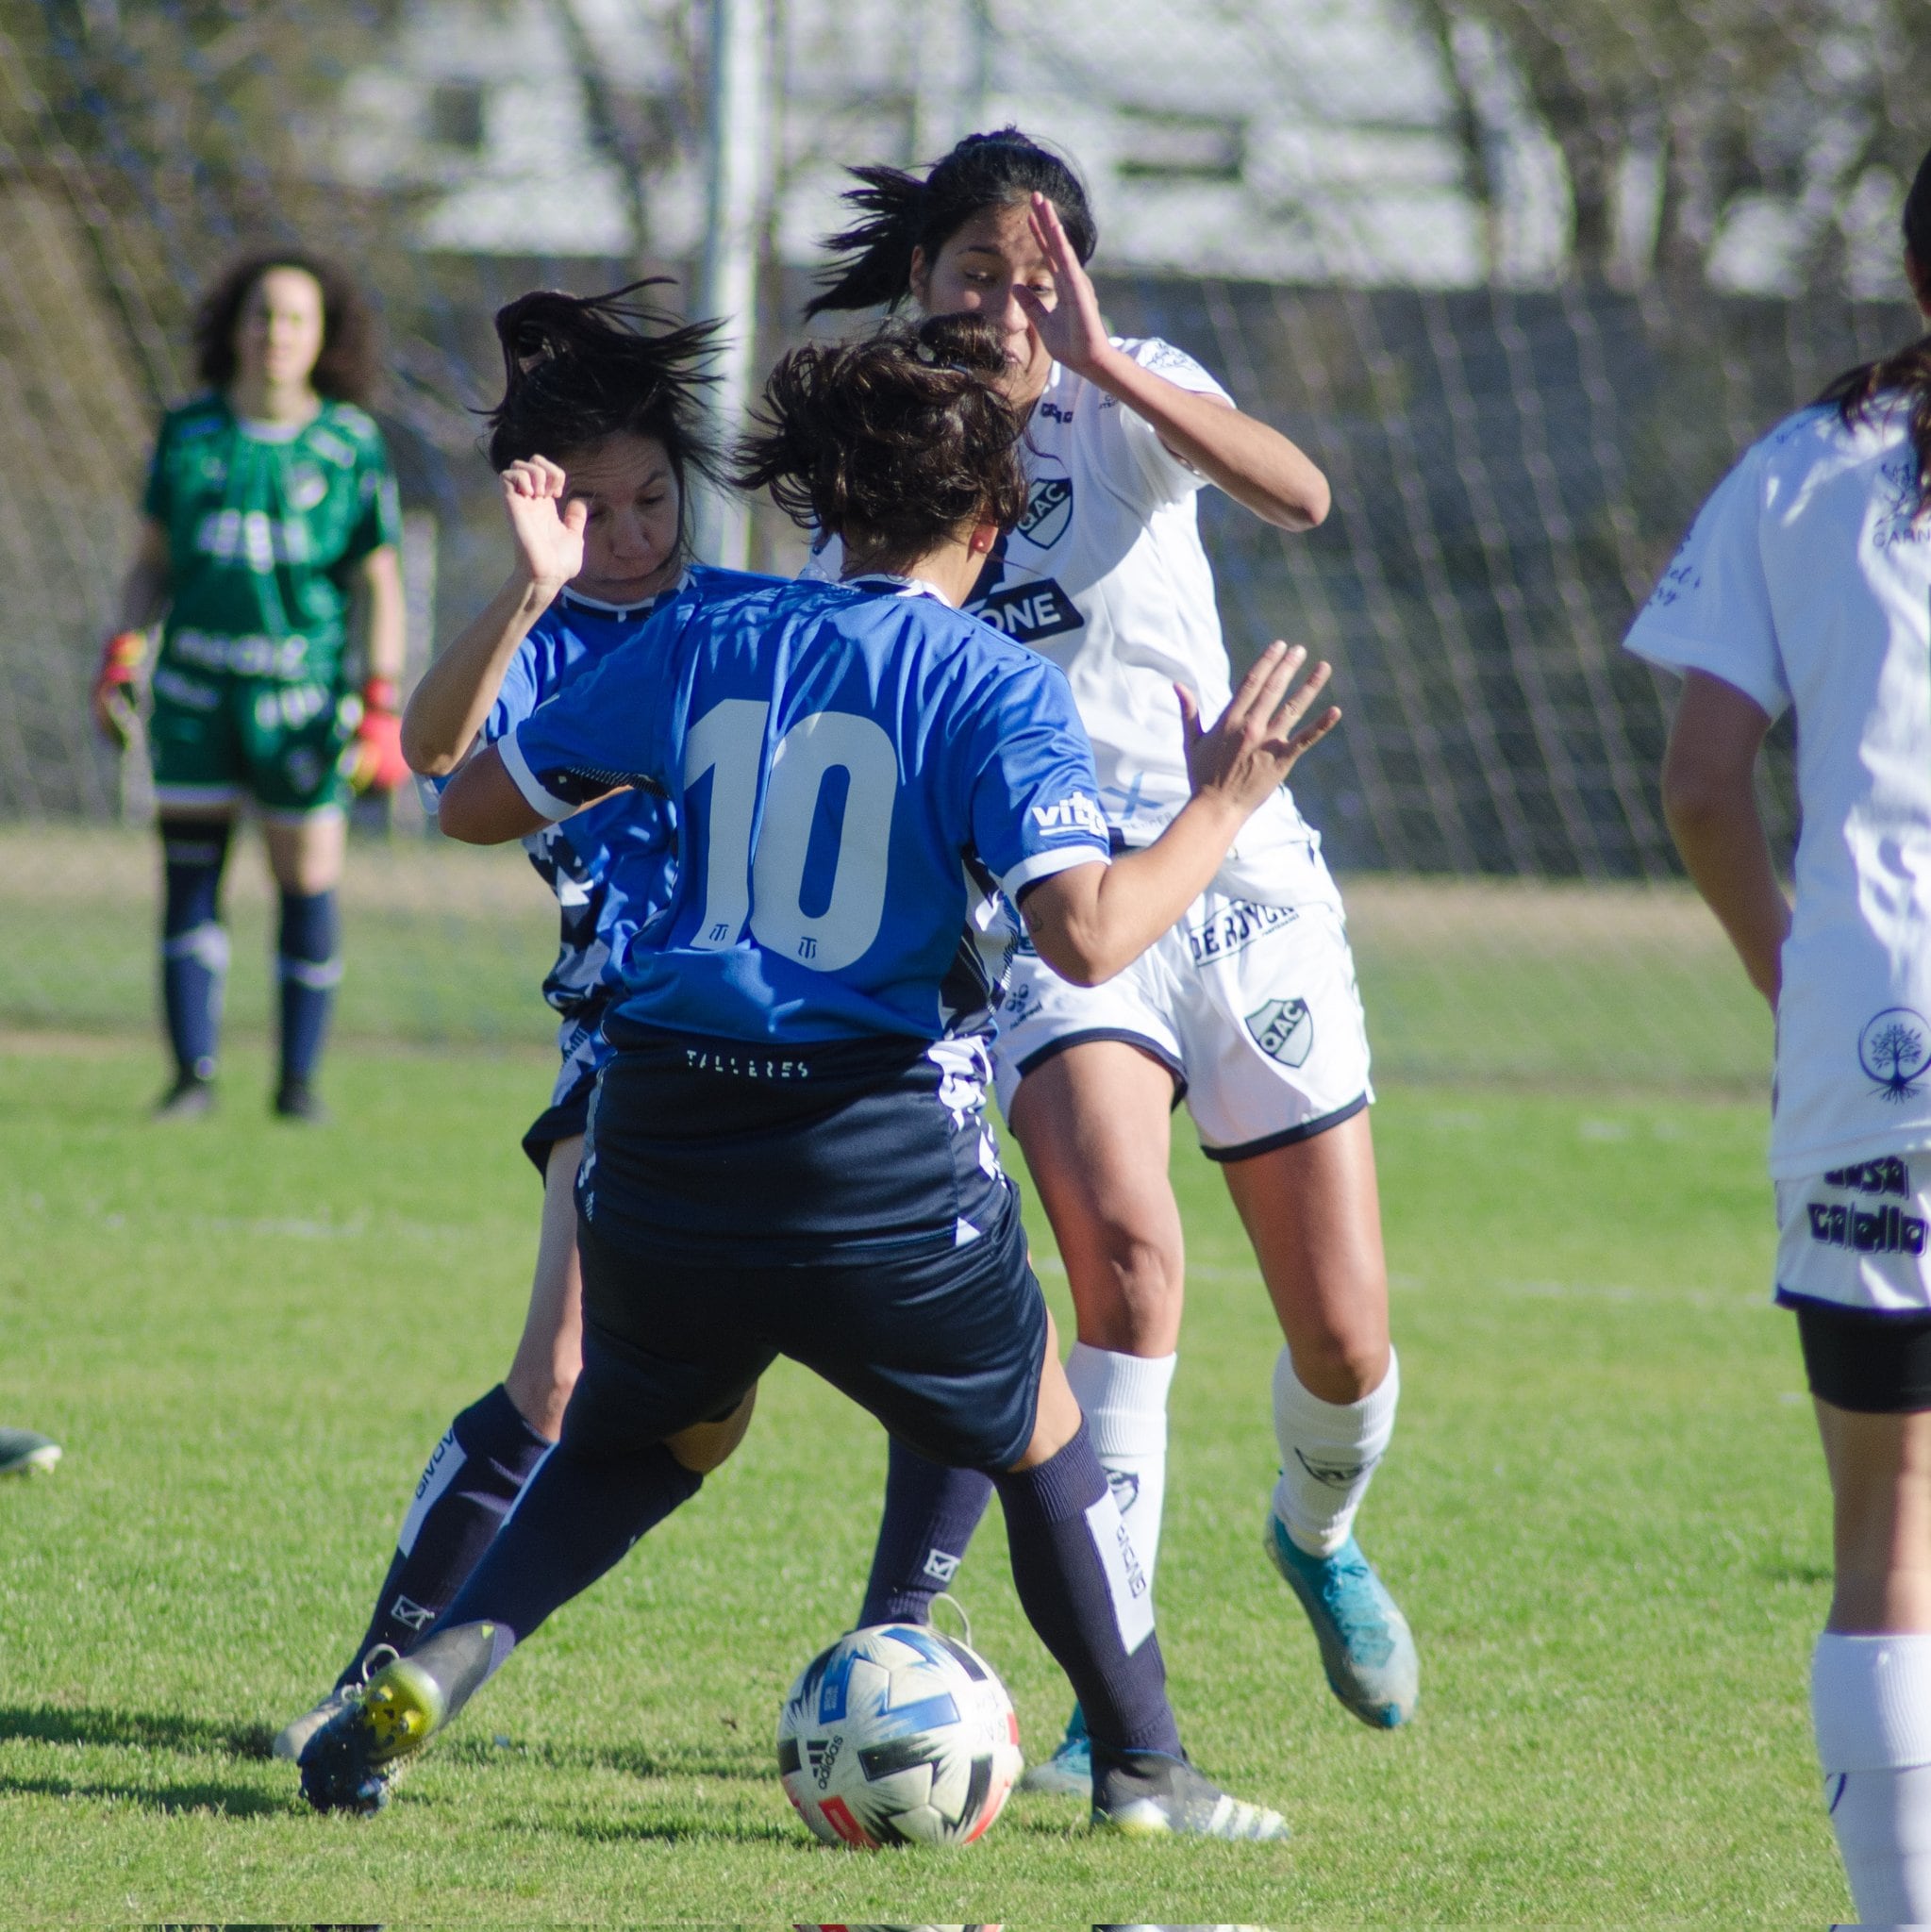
[1044,865]
[535,796]
[1674,652]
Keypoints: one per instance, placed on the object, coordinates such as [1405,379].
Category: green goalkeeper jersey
[265,529]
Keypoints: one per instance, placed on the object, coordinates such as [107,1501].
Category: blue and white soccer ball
[898,1735]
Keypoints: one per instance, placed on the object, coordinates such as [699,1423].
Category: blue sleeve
[520,695]
[1035,801]
[602,731]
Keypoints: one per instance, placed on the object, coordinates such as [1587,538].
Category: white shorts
[1858,1236]
[1253,1007]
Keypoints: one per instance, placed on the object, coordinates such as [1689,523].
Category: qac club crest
[1284,1031]
[1048,511]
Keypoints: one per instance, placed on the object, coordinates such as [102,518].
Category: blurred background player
[26,1452]
[1247,1010]
[1805,584]
[788,1152]
[597,436]
[270,507]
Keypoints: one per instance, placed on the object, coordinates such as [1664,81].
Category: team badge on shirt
[1048,511]
[1894,1050]
[1284,1031]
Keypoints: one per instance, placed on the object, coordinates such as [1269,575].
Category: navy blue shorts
[943,1345]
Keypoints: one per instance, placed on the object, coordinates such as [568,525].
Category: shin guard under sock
[578,1517]
[930,1514]
[1330,1451]
[195,948]
[474,1476]
[309,966]
[1085,1592]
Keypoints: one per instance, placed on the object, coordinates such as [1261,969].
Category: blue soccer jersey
[597,914]
[859,773]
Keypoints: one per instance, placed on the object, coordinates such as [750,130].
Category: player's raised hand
[546,521]
[1070,325]
[1258,738]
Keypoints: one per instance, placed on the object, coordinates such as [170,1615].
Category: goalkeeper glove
[380,765]
[112,697]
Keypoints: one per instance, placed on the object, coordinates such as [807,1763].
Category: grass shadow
[233,1801]
[139,1731]
[631,1760]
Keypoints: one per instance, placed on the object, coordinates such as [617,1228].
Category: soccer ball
[898,1735]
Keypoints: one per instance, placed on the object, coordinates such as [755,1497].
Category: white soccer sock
[1124,1397]
[1329,1453]
[1871,1702]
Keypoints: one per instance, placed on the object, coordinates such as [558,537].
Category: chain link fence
[1524,280]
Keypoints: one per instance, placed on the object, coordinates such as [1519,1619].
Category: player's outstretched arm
[143,597]
[449,706]
[1256,466]
[1091,921]
[1709,799]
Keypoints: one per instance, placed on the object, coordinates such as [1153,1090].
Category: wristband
[380,694]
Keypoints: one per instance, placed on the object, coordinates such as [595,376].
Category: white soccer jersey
[1806,580]
[1106,575]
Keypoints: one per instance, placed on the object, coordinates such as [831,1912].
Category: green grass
[1603,1510]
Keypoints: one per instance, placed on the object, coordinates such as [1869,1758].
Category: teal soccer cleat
[1069,1773]
[1366,1646]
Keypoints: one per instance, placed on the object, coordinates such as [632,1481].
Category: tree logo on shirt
[1894,1050]
[1284,1031]
[1048,511]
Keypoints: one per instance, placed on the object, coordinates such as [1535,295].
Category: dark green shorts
[217,737]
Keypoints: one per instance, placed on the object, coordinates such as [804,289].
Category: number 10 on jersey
[761,838]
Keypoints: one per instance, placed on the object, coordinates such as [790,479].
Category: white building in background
[1294,140]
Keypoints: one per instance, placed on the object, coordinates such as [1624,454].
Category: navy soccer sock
[1087,1597]
[195,948]
[474,1474]
[309,965]
[579,1517]
[930,1514]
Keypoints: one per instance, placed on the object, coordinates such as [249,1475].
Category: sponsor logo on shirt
[1284,1031]
[305,489]
[252,536]
[1048,511]
[1075,812]
[1887,1176]
[1894,1051]
[1866,1230]
[1234,927]
[1028,612]
[1054,414]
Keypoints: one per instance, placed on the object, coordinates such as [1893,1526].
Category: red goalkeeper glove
[380,765]
[112,697]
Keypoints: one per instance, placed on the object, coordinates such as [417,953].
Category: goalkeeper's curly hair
[892,443]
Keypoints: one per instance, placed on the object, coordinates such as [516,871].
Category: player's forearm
[1258,467]
[1089,923]
[1722,839]
[143,596]
[386,638]
[448,707]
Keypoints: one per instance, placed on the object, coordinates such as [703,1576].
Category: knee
[704,1446]
[1342,1366]
[1134,1306]
[542,1394]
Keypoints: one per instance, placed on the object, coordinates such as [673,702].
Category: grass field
[1603,1510]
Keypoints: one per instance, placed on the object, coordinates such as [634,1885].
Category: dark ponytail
[1858,393]
[873,258]
[579,368]
[894,442]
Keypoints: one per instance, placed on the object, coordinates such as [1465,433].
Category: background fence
[1524,279]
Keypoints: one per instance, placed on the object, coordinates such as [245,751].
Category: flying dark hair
[894,442]
[347,369]
[873,258]
[580,368]
[1858,393]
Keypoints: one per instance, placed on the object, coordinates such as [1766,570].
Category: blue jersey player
[610,391]
[867,783]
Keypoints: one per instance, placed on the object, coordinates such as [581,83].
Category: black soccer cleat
[1149,1794]
[188,1099]
[295,1100]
